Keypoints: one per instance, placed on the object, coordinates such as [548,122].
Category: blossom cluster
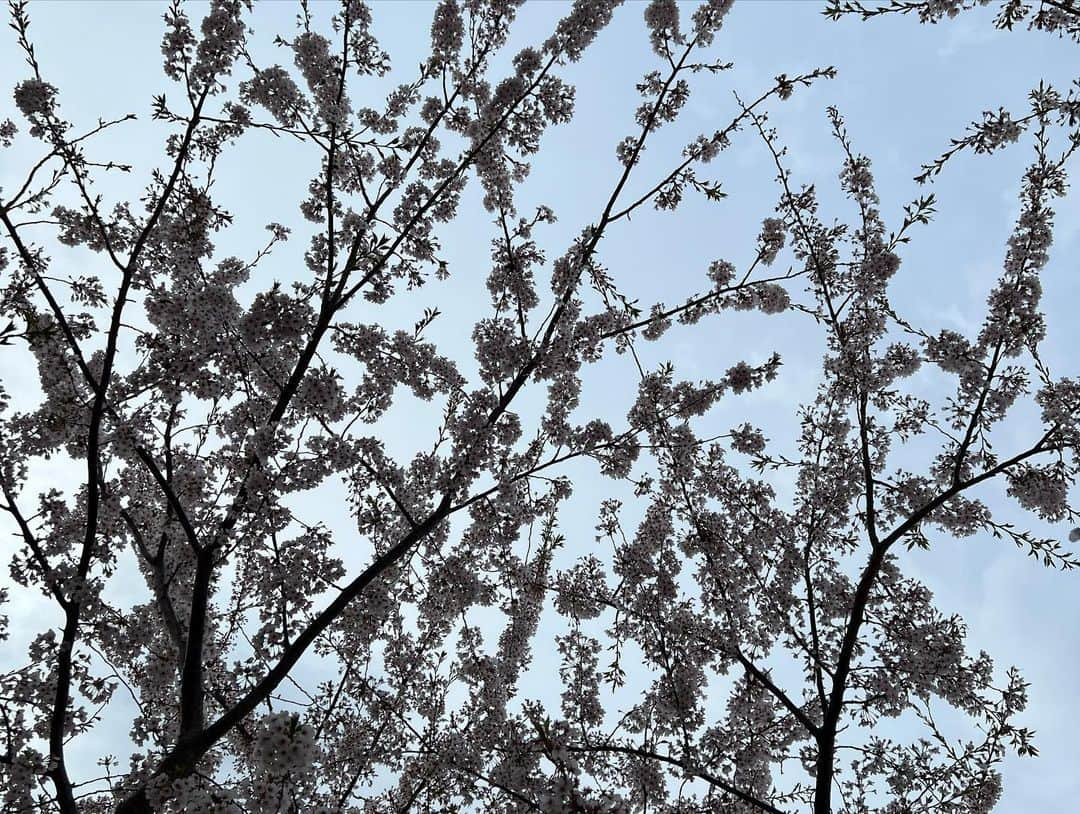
[284,744]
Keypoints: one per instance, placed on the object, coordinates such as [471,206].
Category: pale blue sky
[905,90]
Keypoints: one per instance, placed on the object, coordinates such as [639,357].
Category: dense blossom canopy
[193,400]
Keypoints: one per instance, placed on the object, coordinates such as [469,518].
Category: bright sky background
[905,89]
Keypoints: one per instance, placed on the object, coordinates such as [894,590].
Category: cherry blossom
[295,616]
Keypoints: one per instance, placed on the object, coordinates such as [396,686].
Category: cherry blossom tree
[767,643]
